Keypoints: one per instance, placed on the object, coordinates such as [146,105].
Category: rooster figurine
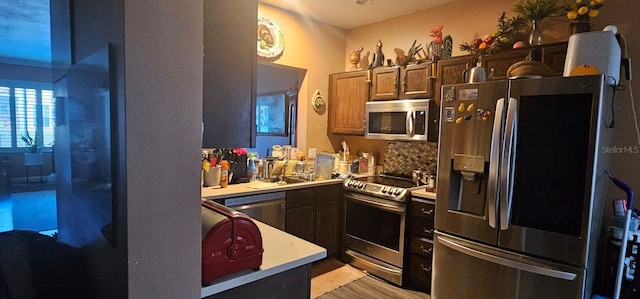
[440,47]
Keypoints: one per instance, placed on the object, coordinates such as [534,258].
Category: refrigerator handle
[518,265]
[494,162]
[507,159]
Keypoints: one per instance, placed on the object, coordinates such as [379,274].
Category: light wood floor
[335,278]
[372,287]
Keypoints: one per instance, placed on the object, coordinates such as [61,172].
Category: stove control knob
[390,190]
[360,185]
[383,189]
[350,183]
[397,192]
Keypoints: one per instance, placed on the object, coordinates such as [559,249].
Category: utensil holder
[211,178]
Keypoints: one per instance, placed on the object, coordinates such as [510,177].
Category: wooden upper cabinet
[500,62]
[384,83]
[229,85]
[417,81]
[554,56]
[348,93]
[449,71]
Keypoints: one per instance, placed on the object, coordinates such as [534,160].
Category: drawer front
[420,272]
[424,210]
[422,247]
[422,227]
[300,197]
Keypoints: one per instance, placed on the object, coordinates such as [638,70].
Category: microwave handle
[409,123]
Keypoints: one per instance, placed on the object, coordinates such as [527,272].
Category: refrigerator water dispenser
[468,180]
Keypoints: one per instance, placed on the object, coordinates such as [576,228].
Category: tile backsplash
[401,157]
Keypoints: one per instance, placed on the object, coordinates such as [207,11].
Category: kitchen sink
[287,180]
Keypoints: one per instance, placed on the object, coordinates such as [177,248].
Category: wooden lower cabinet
[420,269]
[315,214]
[300,222]
[420,244]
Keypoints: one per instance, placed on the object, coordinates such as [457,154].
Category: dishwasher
[268,208]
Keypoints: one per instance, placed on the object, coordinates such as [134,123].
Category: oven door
[375,227]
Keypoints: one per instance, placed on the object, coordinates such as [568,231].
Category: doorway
[275,79]
[27,189]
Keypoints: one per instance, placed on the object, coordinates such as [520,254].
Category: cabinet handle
[425,268]
[427,231]
[404,84]
[428,212]
[426,250]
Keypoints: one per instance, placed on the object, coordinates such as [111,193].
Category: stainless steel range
[374,224]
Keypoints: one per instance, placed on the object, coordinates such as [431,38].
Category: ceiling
[25,35]
[24,31]
[347,14]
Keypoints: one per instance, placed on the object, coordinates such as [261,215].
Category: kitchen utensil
[276,151]
[477,74]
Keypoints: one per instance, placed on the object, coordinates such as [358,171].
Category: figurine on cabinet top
[440,47]
[378,56]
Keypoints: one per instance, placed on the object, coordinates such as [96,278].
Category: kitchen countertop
[422,193]
[282,252]
[258,187]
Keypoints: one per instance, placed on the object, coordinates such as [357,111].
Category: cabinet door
[554,56]
[450,70]
[384,83]
[420,272]
[348,93]
[300,220]
[501,62]
[328,226]
[300,223]
[229,87]
[416,81]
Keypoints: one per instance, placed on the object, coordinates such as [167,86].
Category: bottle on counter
[224,173]
[371,164]
[252,170]
[431,183]
[363,164]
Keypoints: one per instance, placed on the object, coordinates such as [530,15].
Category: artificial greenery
[536,9]
[508,29]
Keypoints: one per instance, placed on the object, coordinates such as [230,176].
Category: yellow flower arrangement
[583,9]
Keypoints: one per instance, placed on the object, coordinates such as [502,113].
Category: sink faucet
[284,170]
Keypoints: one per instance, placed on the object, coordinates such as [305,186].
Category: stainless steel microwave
[402,120]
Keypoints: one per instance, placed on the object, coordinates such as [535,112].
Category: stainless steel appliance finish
[379,189]
[519,171]
[374,224]
[475,270]
[401,120]
[268,208]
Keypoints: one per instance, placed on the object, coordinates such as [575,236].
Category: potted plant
[33,154]
[535,11]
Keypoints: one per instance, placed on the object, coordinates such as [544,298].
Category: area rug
[34,211]
[331,274]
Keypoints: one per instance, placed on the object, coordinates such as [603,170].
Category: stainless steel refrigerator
[520,187]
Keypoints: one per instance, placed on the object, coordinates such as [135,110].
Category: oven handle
[370,201]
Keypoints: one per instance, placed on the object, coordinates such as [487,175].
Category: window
[26,108]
